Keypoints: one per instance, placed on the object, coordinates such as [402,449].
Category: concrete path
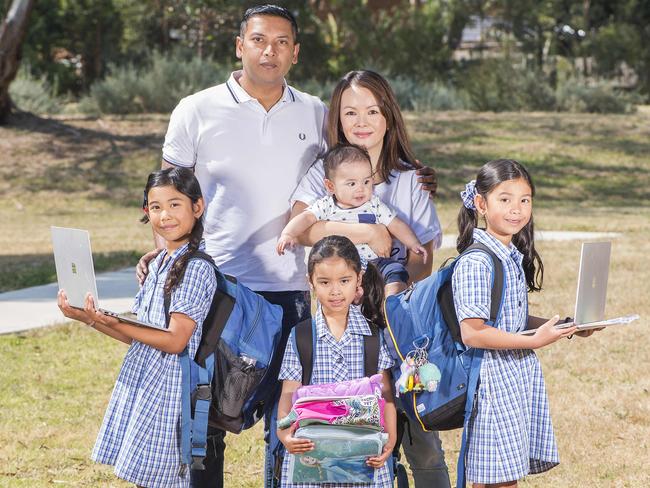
[35,307]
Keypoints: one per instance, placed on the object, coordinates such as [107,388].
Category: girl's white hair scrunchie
[364,263]
[468,194]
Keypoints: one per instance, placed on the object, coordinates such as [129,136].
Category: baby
[348,180]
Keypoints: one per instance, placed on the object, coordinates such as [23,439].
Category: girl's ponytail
[373,295]
[467,222]
[532,262]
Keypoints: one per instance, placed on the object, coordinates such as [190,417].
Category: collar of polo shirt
[241,96]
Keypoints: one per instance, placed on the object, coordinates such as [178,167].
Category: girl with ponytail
[140,434]
[510,431]
[335,274]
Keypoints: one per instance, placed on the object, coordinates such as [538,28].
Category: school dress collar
[503,252]
[159,265]
[357,323]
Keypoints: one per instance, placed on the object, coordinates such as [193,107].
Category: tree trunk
[12,34]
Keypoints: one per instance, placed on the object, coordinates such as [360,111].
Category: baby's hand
[379,461]
[286,241]
[421,251]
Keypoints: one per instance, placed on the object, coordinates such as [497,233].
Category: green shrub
[427,96]
[156,87]
[576,96]
[33,94]
[120,92]
[320,89]
[497,85]
[411,94]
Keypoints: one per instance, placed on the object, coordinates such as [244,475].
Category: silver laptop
[591,295]
[75,271]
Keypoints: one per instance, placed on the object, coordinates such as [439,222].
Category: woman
[364,111]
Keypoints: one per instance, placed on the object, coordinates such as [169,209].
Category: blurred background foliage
[120,56]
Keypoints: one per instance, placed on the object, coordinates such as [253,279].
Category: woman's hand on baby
[379,461]
[142,268]
[428,178]
[420,251]
[380,240]
[547,333]
[285,242]
[71,312]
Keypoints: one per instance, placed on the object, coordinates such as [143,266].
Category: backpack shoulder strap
[196,255]
[304,344]
[496,297]
[221,307]
[496,303]
[371,347]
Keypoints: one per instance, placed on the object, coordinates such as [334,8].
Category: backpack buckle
[203,392]
[197,463]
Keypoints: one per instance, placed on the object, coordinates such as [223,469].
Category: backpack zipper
[258,312]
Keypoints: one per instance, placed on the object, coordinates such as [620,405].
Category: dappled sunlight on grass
[581,158]
[592,174]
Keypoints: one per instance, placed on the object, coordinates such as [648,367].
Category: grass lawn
[592,173]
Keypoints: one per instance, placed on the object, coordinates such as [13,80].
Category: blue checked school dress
[510,434]
[335,361]
[140,434]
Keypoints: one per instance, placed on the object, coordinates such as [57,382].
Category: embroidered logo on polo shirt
[302,136]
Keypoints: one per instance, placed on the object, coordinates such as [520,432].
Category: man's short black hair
[269,9]
[343,153]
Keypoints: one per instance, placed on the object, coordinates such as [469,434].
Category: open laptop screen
[592,282]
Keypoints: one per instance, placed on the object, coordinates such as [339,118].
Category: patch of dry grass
[56,382]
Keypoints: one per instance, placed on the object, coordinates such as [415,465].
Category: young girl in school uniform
[510,434]
[335,273]
[141,428]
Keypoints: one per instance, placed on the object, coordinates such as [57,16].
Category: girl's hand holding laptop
[89,315]
[547,333]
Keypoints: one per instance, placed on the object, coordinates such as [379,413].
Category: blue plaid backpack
[227,384]
[424,317]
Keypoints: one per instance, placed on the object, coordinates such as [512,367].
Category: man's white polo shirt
[248,162]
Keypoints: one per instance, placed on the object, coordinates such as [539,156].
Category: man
[249,141]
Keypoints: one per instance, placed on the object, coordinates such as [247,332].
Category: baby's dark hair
[184,181]
[270,10]
[489,176]
[372,282]
[343,153]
